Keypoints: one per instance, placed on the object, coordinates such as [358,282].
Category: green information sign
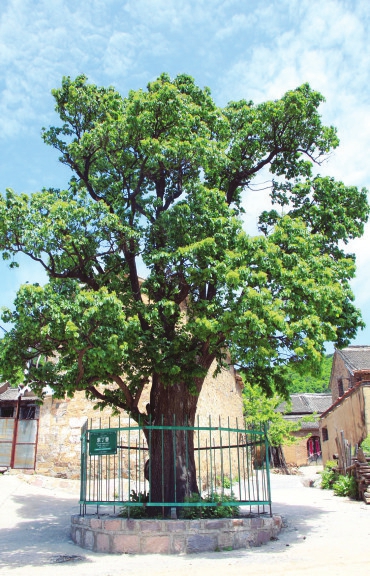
[103,442]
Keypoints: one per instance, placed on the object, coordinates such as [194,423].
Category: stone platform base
[115,535]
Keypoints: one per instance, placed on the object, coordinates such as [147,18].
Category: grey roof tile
[11,395]
[307,403]
[304,425]
[356,357]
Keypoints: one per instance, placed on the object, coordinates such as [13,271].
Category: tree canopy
[258,407]
[316,382]
[157,180]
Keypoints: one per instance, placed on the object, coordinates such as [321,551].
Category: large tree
[158,179]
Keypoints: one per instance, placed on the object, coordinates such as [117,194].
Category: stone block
[76,422]
[237,522]
[262,537]
[130,524]
[256,523]
[102,543]
[113,524]
[74,439]
[95,523]
[88,539]
[242,540]
[225,539]
[201,543]
[174,526]
[77,536]
[216,524]
[155,544]
[194,526]
[178,545]
[151,525]
[126,543]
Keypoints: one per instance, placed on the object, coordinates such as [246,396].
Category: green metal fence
[232,466]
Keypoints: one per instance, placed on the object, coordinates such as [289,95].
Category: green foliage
[258,407]
[365,445]
[329,475]
[157,177]
[219,510]
[331,464]
[312,383]
[226,482]
[345,486]
[140,511]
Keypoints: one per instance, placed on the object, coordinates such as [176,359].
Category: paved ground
[323,535]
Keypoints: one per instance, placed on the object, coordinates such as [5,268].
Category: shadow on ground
[41,533]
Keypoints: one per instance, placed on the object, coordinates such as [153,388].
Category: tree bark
[171,470]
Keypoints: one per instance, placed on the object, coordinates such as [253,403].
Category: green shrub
[224,481]
[137,511]
[329,475]
[330,464]
[365,445]
[219,510]
[345,486]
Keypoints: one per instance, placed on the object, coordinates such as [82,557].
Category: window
[340,387]
[27,413]
[7,412]
[325,435]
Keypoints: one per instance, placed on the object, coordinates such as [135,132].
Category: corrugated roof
[307,403]
[356,357]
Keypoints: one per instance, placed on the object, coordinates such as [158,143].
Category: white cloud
[238,22]
[119,54]
[325,44]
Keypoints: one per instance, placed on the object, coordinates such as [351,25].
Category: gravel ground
[322,535]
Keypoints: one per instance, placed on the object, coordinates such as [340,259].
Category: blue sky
[253,49]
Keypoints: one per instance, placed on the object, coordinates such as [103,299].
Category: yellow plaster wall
[339,370]
[296,454]
[352,415]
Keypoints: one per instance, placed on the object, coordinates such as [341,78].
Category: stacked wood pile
[362,471]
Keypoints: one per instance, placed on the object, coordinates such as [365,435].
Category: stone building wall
[59,447]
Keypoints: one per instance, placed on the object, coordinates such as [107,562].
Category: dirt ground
[322,535]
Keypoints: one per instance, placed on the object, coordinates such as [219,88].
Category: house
[304,408]
[347,419]
[46,438]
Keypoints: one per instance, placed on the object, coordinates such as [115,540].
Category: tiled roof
[307,403]
[356,357]
[11,395]
[312,425]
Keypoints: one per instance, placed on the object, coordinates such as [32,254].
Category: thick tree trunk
[171,470]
